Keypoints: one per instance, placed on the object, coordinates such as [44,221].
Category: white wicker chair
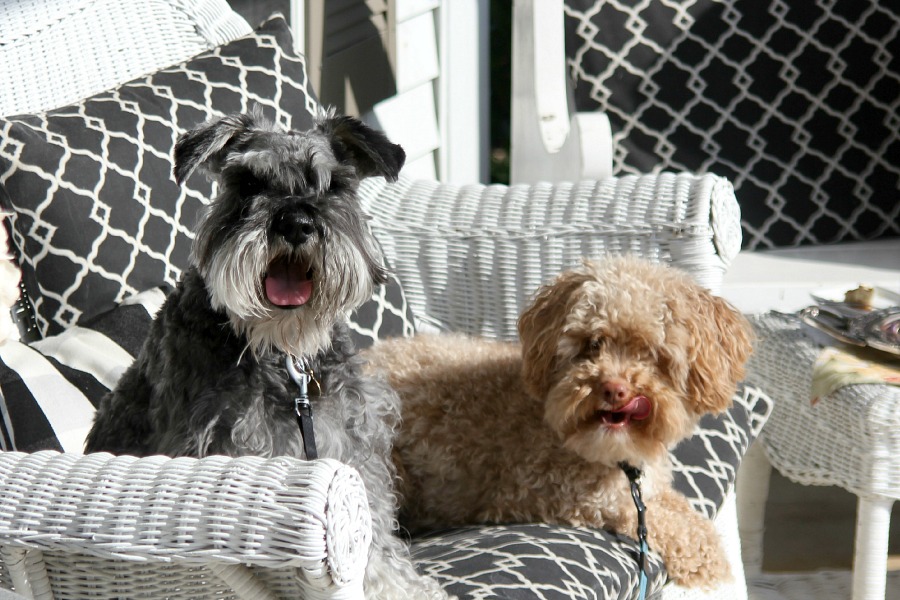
[96,526]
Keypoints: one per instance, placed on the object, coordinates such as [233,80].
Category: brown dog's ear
[721,340]
[206,145]
[368,150]
[540,328]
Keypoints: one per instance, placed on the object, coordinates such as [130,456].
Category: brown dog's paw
[687,542]
[694,565]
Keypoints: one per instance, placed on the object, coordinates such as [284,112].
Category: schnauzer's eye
[250,186]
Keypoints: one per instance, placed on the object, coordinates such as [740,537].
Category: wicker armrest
[470,257]
[308,521]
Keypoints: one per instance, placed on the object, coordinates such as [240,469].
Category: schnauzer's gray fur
[211,378]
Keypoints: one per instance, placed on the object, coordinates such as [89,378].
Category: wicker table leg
[752,494]
[873,524]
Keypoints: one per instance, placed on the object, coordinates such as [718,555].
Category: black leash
[302,374]
[634,478]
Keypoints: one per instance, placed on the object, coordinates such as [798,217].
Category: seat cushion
[535,562]
[96,213]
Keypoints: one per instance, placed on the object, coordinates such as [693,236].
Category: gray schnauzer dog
[282,254]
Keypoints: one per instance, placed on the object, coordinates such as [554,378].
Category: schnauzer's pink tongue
[287,284]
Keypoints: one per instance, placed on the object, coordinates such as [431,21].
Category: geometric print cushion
[96,212]
[49,390]
[539,561]
[795,101]
[704,466]
[535,562]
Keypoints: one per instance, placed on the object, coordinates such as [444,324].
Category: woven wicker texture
[850,438]
[139,526]
[470,257]
[40,37]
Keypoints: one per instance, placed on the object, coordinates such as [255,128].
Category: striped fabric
[50,388]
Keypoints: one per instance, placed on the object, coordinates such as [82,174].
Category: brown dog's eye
[592,347]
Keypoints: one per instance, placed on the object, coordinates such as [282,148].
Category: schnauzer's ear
[368,150]
[721,341]
[206,145]
[540,328]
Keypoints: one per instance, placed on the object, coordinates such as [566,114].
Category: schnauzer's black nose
[294,224]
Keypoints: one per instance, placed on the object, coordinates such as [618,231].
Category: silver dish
[878,329]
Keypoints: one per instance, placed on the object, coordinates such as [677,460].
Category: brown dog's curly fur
[619,360]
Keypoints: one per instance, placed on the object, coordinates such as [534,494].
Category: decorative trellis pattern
[796,102]
[96,212]
[536,562]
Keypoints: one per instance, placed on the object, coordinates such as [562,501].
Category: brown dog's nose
[615,391]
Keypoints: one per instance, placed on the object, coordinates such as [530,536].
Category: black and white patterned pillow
[537,562]
[96,213]
[793,100]
[705,465]
[386,314]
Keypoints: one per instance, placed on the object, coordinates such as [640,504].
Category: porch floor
[808,544]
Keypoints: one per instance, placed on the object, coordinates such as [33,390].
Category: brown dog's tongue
[287,283]
[637,409]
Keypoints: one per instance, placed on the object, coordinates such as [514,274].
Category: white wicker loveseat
[98,526]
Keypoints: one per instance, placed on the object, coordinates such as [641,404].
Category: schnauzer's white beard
[234,279]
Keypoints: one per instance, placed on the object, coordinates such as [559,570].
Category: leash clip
[301,373]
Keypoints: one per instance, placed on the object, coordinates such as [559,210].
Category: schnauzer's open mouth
[636,409]
[288,283]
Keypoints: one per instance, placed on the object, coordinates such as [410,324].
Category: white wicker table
[850,438]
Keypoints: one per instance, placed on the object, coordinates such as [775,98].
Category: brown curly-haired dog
[619,360]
